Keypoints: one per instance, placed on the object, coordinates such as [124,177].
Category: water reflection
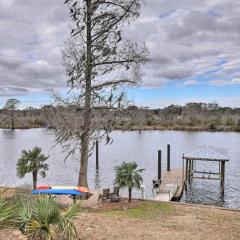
[8,134]
[97,180]
[204,192]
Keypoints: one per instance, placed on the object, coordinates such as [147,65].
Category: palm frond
[32,161]
[38,230]
[6,214]
[43,217]
[127,175]
[24,212]
[66,226]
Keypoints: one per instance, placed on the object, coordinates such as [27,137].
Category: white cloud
[186,39]
[32,33]
[192,35]
[191,83]
[235,81]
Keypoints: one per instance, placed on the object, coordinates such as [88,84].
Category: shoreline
[12,190]
[146,128]
[146,219]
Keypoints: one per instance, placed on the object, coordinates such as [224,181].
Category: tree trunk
[34,173]
[13,127]
[129,195]
[87,108]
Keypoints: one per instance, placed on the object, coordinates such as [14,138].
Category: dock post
[168,157]
[189,170]
[97,153]
[222,176]
[186,173]
[183,170]
[159,165]
[193,169]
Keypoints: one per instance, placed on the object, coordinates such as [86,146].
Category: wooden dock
[171,187]
[205,154]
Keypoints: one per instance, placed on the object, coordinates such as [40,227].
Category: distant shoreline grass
[149,128]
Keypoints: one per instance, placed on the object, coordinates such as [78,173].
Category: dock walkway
[171,186]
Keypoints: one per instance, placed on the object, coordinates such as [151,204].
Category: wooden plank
[211,173]
[207,178]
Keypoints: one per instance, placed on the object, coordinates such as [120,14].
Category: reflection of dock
[170,187]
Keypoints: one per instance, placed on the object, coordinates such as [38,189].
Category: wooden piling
[222,177]
[97,155]
[189,170]
[168,157]
[183,169]
[186,173]
[159,164]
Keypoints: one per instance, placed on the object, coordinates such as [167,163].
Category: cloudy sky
[194,50]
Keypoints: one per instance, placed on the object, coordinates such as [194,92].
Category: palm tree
[43,218]
[32,162]
[127,175]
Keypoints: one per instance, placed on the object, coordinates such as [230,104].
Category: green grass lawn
[144,210]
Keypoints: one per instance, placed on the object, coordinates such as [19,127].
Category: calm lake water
[127,146]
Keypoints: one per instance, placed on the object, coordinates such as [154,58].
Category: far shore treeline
[192,116]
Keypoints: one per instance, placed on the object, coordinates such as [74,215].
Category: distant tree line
[195,116]
[192,116]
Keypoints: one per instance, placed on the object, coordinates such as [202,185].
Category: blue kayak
[57,191]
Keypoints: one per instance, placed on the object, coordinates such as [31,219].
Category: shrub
[43,218]
[39,218]
[230,122]
[6,213]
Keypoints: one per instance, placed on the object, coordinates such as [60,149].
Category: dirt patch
[158,221]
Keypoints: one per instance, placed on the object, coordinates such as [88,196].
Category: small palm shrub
[43,218]
[32,162]
[127,175]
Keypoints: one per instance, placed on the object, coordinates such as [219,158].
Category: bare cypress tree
[11,105]
[98,61]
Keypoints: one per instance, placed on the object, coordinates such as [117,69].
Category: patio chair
[114,196]
[105,195]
